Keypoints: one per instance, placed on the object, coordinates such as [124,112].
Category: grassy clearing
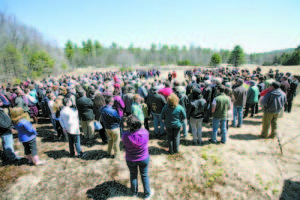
[244,168]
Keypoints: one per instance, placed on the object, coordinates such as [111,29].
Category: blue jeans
[237,113]
[74,139]
[8,146]
[122,126]
[215,124]
[133,169]
[184,127]
[158,121]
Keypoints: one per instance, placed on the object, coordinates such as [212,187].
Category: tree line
[25,53]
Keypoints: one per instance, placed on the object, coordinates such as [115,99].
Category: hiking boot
[212,142]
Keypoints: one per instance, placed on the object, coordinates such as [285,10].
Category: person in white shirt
[70,123]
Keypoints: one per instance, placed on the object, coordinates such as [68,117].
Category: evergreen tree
[237,56]
[69,51]
[215,60]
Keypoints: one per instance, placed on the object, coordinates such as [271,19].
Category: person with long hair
[99,102]
[137,155]
[70,123]
[173,115]
[57,106]
[27,134]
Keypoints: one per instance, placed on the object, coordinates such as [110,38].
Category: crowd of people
[120,105]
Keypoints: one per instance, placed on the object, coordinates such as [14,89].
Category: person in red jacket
[174,74]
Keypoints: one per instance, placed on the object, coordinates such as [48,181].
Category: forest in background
[24,53]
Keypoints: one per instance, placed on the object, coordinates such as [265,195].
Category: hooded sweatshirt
[274,101]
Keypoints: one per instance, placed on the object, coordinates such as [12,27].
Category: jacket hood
[276,92]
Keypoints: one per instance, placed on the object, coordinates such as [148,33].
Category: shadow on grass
[108,190]
[245,137]
[157,151]
[291,190]
[89,142]
[95,155]
[251,122]
[58,154]
[89,155]
[20,162]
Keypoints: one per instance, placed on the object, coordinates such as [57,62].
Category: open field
[247,167]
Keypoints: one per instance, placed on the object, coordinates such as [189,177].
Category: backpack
[5,122]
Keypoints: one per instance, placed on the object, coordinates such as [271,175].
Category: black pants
[248,106]
[173,139]
[146,123]
[30,147]
[288,105]
[103,135]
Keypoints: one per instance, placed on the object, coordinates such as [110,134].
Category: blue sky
[256,25]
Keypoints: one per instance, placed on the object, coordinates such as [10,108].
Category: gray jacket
[273,102]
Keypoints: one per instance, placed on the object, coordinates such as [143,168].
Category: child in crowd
[27,134]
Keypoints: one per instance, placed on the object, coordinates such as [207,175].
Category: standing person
[272,103]
[99,102]
[261,87]
[240,94]
[292,93]
[70,124]
[137,155]
[156,103]
[127,98]
[111,122]
[285,87]
[7,137]
[252,99]
[19,101]
[86,115]
[196,114]
[220,107]
[166,91]
[173,115]
[136,108]
[119,106]
[207,93]
[184,102]
[27,134]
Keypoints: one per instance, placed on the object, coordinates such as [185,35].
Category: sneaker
[41,163]
[151,194]
[82,155]
[212,142]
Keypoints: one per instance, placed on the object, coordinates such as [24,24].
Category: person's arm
[122,104]
[213,106]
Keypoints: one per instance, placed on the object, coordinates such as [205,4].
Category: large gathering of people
[120,106]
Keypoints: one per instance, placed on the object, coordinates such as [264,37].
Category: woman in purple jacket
[137,155]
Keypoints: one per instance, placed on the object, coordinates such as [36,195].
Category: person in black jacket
[196,114]
[207,94]
[292,93]
[86,115]
[156,102]
[7,137]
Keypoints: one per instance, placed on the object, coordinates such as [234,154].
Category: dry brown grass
[245,168]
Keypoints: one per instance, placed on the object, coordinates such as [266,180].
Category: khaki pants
[113,141]
[88,129]
[269,119]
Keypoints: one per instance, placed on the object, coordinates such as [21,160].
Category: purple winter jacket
[136,145]
[119,105]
